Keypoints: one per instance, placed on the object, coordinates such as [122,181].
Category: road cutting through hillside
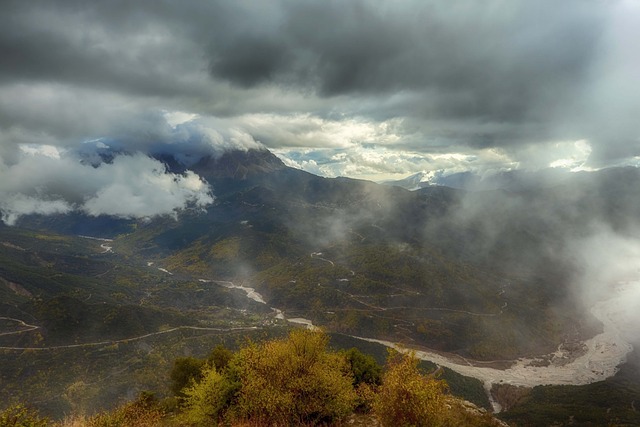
[127,340]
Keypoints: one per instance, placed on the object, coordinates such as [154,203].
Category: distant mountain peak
[238,164]
[414,182]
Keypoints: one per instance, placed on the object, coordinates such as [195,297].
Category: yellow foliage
[408,398]
[206,401]
[19,415]
[140,413]
[294,381]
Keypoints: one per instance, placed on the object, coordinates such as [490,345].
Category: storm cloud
[488,86]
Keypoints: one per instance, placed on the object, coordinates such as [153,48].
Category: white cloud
[132,186]
[308,130]
[380,163]
[12,206]
[175,118]
[138,186]
[577,156]
[43,149]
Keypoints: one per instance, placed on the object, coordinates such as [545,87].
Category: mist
[609,263]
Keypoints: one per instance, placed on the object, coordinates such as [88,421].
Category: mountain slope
[484,275]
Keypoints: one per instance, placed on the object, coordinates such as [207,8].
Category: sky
[366,89]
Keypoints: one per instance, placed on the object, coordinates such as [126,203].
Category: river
[600,358]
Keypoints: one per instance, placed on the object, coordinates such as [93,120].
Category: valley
[488,296]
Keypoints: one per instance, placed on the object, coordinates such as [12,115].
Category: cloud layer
[496,84]
[131,186]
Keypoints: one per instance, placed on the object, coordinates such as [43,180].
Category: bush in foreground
[20,416]
[408,398]
[290,381]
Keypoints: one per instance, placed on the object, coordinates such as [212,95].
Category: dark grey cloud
[71,43]
[480,57]
[440,77]
[503,74]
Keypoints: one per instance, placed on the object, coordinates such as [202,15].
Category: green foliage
[20,416]
[207,400]
[184,371]
[364,367]
[408,398]
[220,357]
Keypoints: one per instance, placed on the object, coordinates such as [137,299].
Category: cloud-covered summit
[364,88]
[120,176]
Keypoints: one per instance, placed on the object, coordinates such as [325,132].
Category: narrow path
[318,255]
[126,340]
[20,322]
[358,298]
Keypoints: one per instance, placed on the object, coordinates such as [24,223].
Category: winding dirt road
[21,323]
[126,340]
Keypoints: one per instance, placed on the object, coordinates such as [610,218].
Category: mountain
[238,165]
[443,248]
[412,182]
[268,221]
[511,180]
[485,275]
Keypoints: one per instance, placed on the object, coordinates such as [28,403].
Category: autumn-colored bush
[19,415]
[143,412]
[408,398]
[207,401]
[291,381]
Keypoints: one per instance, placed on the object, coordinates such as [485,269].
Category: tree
[408,398]
[364,367]
[220,357]
[207,400]
[185,370]
[294,381]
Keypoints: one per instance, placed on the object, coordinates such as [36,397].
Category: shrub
[206,401]
[20,416]
[185,370]
[364,367]
[143,412]
[408,398]
[291,381]
[220,357]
